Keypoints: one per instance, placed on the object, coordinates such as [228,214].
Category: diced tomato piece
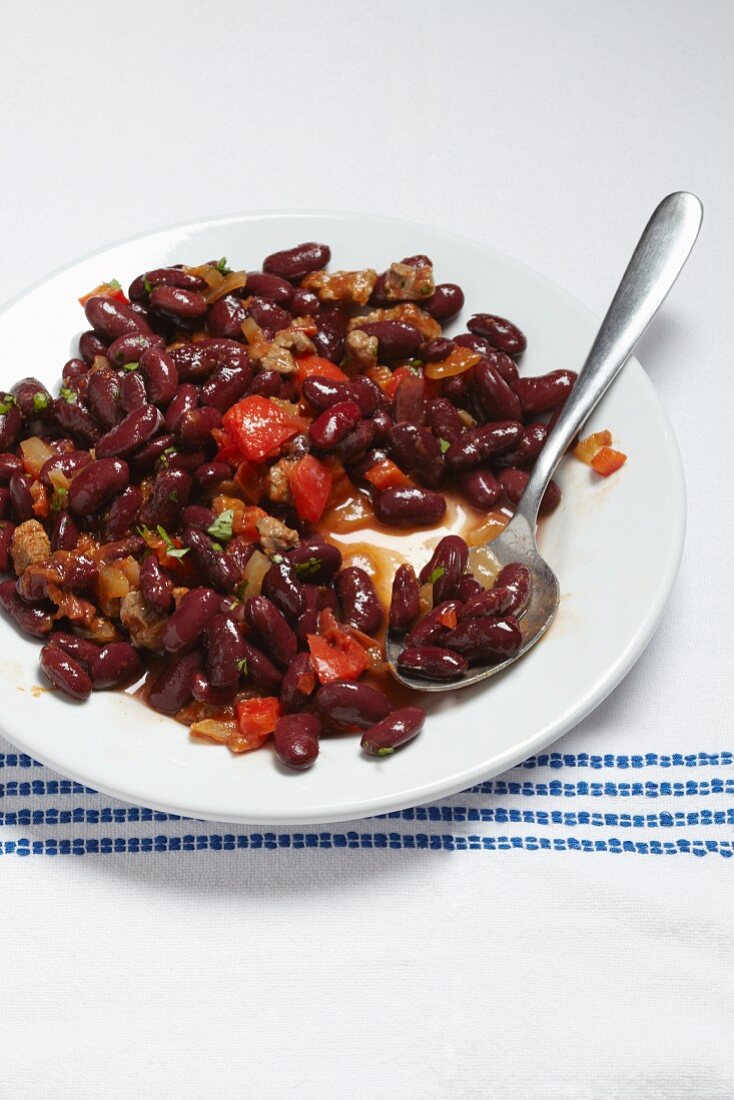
[397,377]
[310,485]
[448,618]
[380,375]
[335,653]
[260,427]
[250,477]
[386,475]
[587,448]
[40,499]
[306,365]
[229,449]
[256,719]
[106,290]
[606,461]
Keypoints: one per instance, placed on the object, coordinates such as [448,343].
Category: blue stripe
[396,841]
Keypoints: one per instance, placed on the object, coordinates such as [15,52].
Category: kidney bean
[383,422]
[194,427]
[296,740]
[545,392]
[500,333]
[330,339]
[65,673]
[294,263]
[129,547]
[322,393]
[416,450]
[304,303]
[96,484]
[163,276]
[32,398]
[75,376]
[267,383]
[478,445]
[226,386]
[484,639]
[355,444]
[349,704]
[198,516]
[189,621]
[266,285]
[171,688]
[496,398]
[20,498]
[433,351]
[111,319]
[398,728]
[90,346]
[446,301]
[489,602]
[10,464]
[432,662]
[156,587]
[146,458]
[83,651]
[65,533]
[270,317]
[185,398]
[469,587]
[225,651]
[66,570]
[513,484]
[282,586]
[449,559]
[6,537]
[171,491]
[221,572]
[445,421]
[405,599]
[260,672]
[211,474]
[472,341]
[197,361]
[409,401]
[225,318]
[430,630]
[272,629]
[239,551]
[205,692]
[103,395]
[178,303]
[186,460]
[68,464]
[115,665]
[132,433]
[129,349]
[517,580]
[299,684]
[159,374]
[408,507]
[75,419]
[11,421]
[34,620]
[396,339]
[315,559]
[4,502]
[333,424]
[481,488]
[358,600]
[457,389]
[133,394]
[528,449]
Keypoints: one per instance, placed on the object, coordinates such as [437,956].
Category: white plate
[615,545]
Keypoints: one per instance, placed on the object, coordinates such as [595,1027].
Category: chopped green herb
[218,547]
[277,558]
[172,550]
[309,567]
[173,497]
[130,366]
[437,573]
[222,267]
[7,403]
[385,752]
[241,592]
[113,284]
[143,531]
[41,402]
[164,459]
[68,396]
[242,666]
[147,285]
[59,498]
[415,366]
[222,526]
[444,445]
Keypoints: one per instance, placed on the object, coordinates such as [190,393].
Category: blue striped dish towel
[564,800]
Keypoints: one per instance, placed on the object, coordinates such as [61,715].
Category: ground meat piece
[73,607]
[277,358]
[295,340]
[360,352]
[409,283]
[277,488]
[342,286]
[99,630]
[29,544]
[275,536]
[406,311]
[145,624]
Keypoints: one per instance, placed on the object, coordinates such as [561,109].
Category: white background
[550,131]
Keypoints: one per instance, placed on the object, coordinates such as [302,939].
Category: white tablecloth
[563,930]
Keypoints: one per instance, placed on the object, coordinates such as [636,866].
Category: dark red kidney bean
[265,285]
[457,389]
[484,639]
[451,554]
[160,375]
[221,572]
[212,474]
[205,692]
[432,662]
[350,704]
[194,427]
[20,498]
[367,394]
[70,572]
[408,507]
[111,319]
[328,342]
[96,484]
[493,602]
[267,383]
[480,444]
[296,740]
[282,586]
[500,332]
[76,419]
[395,339]
[132,546]
[444,420]
[430,629]
[378,296]
[513,484]
[225,647]
[333,424]
[178,303]
[315,560]
[469,587]
[116,665]
[32,398]
[355,444]
[544,392]
[156,587]
[551,499]
[186,460]
[481,488]
[171,688]
[516,579]
[198,516]
[186,397]
[196,361]
[10,421]
[171,491]
[189,621]
[409,402]
[132,433]
[6,537]
[75,376]
[260,672]
[528,449]
[270,317]
[358,601]
[163,276]
[226,386]
[33,620]
[503,364]
[133,394]
[4,502]
[68,464]
[322,393]
[90,346]
[225,318]
[10,464]
[446,301]
[405,602]
[146,458]
[103,396]
[65,533]
[294,263]
[65,673]
[83,651]
[416,450]
[433,351]
[272,629]
[473,342]
[299,684]
[304,303]
[239,551]
[497,399]
[129,349]
[383,423]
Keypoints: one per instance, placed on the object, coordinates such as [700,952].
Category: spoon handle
[656,263]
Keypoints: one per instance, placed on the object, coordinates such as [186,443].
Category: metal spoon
[656,263]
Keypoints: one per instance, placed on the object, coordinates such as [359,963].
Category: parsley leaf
[277,559]
[130,366]
[309,567]
[415,366]
[68,396]
[41,402]
[242,666]
[222,266]
[444,445]
[59,498]
[437,573]
[147,285]
[172,550]
[114,284]
[222,526]
[6,403]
